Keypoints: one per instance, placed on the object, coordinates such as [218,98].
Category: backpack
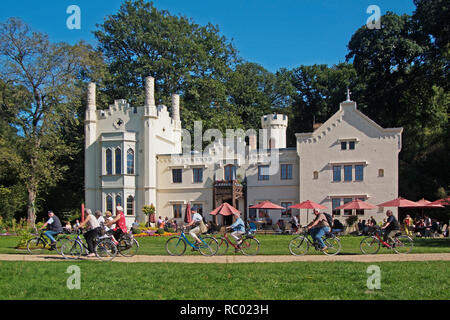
[329,219]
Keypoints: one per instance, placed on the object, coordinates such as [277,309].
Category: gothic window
[130,161]
[118,153]
[108,161]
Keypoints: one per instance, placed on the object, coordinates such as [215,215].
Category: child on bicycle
[238,228]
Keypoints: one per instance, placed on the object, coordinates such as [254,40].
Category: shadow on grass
[432,242]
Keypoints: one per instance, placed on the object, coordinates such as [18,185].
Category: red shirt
[122,224]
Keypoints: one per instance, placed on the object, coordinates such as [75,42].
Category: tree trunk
[31,207]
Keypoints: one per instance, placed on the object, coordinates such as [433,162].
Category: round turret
[276,125]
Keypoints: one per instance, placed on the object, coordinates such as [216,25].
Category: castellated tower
[276,125]
[121,146]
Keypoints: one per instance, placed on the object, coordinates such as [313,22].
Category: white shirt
[197,217]
[93,222]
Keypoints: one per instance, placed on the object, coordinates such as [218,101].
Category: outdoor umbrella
[308,204]
[357,204]
[225,209]
[267,205]
[399,202]
[423,203]
[187,215]
[442,202]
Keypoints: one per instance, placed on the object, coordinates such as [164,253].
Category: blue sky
[275,34]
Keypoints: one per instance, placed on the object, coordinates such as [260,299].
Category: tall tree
[182,56]
[43,77]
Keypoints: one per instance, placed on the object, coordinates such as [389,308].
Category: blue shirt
[238,225]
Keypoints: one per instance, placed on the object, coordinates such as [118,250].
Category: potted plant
[351,222]
[149,210]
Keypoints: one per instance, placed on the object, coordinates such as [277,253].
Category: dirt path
[244,259]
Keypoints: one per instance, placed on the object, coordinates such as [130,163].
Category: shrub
[160,231]
[171,230]
[24,235]
[351,220]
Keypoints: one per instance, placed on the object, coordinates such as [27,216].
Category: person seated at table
[337,226]
[268,220]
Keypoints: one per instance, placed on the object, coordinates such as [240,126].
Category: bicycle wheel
[333,246]
[176,246]
[209,246]
[299,246]
[369,245]
[223,246]
[105,250]
[36,246]
[71,249]
[60,242]
[250,246]
[128,247]
[403,244]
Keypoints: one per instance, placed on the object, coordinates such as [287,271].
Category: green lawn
[278,281]
[270,245]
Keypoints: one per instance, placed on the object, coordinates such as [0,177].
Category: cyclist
[54,227]
[238,228]
[197,220]
[93,228]
[390,228]
[319,227]
[121,225]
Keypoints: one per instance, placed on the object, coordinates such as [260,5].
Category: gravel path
[245,259]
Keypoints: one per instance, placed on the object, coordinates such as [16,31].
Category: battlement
[274,120]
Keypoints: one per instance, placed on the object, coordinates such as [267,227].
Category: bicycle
[371,244]
[104,248]
[176,246]
[128,246]
[41,243]
[249,245]
[299,245]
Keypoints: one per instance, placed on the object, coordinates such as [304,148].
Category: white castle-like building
[134,157]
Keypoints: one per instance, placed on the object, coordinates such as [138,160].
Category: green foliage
[24,235]
[350,221]
[160,231]
[149,209]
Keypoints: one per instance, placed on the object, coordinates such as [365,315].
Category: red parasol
[267,205]
[357,204]
[187,215]
[225,209]
[399,202]
[442,202]
[308,204]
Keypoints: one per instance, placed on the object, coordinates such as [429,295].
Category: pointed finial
[348,94]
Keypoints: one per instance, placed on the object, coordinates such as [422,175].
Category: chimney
[175,107]
[91,104]
[149,91]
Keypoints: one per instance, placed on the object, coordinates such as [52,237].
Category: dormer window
[343,145]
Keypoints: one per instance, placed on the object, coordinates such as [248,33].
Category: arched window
[130,161]
[118,200]
[230,172]
[108,161]
[130,206]
[118,161]
[109,203]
